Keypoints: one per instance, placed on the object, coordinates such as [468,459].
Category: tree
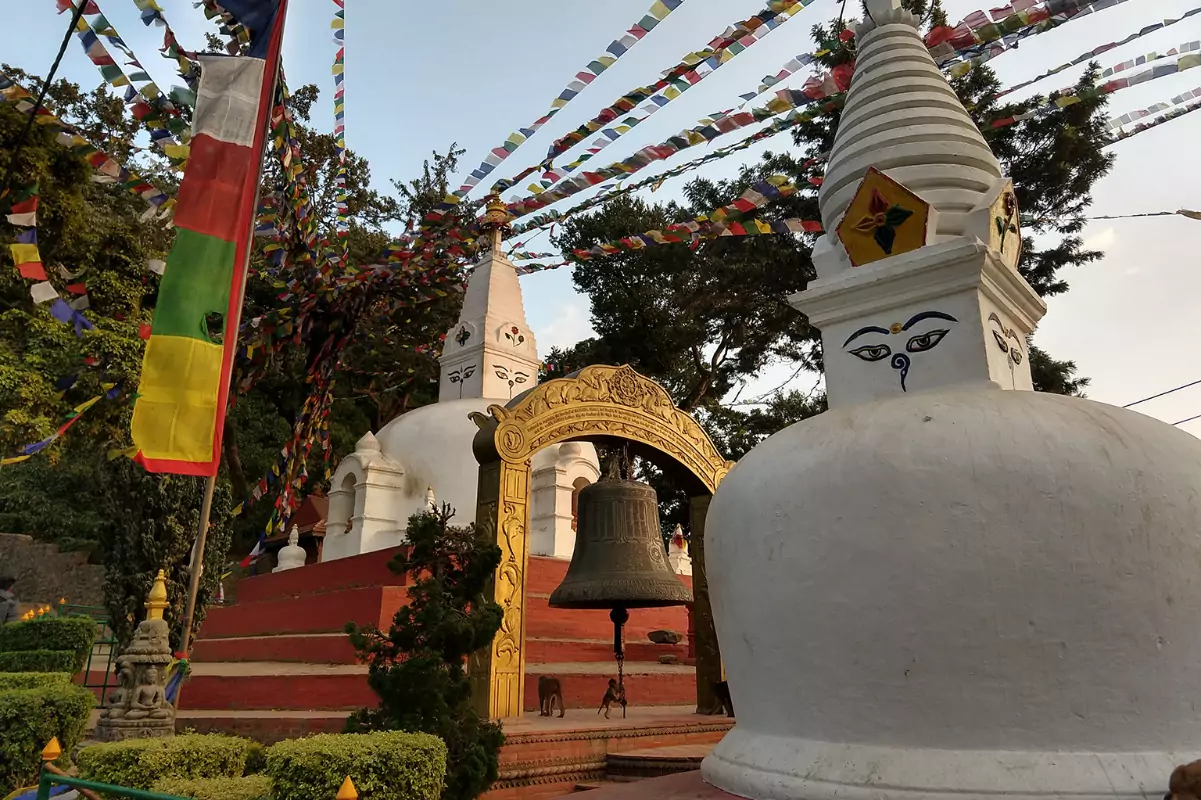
[417,667]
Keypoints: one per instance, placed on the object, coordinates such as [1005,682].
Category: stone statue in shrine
[138,707]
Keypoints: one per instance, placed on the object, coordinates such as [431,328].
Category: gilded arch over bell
[598,401]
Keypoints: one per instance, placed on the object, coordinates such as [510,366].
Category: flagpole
[206,503]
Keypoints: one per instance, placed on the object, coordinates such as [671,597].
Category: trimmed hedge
[39,661]
[138,763]
[75,635]
[387,765]
[32,680]
[251,787]
[29,718]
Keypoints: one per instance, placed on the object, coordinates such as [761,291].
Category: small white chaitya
[948,585]
[677,553]
[489,357]
[291,555]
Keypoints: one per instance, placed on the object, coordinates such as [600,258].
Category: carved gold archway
[598,403]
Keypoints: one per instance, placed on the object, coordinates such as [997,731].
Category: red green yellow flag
[180,410]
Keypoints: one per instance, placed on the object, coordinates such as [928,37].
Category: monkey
[616,693]
[723,701]
[550,691]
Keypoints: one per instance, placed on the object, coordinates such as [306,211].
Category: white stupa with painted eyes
[948,585]
[489,357]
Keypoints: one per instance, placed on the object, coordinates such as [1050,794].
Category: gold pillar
[502,509]
[708,656]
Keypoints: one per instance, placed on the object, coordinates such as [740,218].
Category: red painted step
[327,612]
[265,686]
[356,572]
[335,648]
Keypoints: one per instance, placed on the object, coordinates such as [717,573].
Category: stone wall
[44,574]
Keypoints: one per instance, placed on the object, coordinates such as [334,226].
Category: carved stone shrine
[138,707]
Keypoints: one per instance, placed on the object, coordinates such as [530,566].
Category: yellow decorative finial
[157,602]
[347,792]
[62,601]
[496,219]
[52,750]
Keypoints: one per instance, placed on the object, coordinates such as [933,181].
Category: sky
[420,76]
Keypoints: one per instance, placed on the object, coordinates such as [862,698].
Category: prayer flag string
[658,12]
[185,61]
[342,224]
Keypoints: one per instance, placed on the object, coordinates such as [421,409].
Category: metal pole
[206,504]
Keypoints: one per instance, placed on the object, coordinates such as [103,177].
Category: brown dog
[616,693]
[550,691]
[1185,783]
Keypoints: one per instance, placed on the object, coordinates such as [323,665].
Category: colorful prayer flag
[179,415]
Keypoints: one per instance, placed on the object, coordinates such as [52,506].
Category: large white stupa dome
[980,590]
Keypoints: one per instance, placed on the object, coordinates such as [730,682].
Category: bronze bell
[619,559]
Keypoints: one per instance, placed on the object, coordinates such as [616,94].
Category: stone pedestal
[138,707]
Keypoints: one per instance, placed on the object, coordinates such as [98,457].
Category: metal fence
[104,650]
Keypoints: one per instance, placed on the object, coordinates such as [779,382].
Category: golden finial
[52,750]
[158,597]
[496,219]
[347,792]
[62,601]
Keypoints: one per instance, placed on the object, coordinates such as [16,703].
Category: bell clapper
[619,617]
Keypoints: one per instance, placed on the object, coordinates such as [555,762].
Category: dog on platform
[550,692]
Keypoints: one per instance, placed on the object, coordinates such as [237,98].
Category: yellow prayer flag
[762,226]
[25,253]
[671,93]
[659,10]
[1067,100]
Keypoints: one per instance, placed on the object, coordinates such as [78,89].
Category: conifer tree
[418,666]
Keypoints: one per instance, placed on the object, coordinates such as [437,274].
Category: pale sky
[421,75]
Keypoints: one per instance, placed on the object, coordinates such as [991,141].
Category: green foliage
[417,667]
[385,765]
[138,763]
[32,680]
[40,661]
[155,525]
[72,634]
[250,787]
[29,719]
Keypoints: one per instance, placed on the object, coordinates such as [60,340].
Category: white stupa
[489,357]
[948,585]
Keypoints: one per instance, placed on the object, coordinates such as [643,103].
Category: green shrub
[138,763]
[385,765]
[39,661]
[256,759]
[251,787]
[29,719]
[32,680]
[76,635]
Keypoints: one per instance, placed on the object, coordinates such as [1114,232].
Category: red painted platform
[283,647]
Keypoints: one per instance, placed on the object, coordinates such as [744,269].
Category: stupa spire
[917,284]
[490,352]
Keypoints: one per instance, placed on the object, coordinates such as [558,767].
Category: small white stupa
[489,357]
[677,553]
[291,555]
[948,585]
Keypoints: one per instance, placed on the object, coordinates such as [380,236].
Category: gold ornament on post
[157,602]
[496,219]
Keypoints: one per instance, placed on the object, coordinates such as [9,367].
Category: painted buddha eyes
[918,343]
[872,352]
[926,341]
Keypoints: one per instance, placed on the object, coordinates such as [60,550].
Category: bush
[251,787]
[138,763]
[29,719]
[39,661]
[385,765]
[32,680]
[76,635]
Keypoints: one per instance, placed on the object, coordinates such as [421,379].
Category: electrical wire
[1161,394]
[1190,419]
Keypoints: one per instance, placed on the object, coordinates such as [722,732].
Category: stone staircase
[45,574]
